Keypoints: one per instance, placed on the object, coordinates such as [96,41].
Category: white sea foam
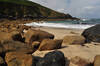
[59,25]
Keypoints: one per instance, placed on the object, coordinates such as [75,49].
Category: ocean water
[81,24]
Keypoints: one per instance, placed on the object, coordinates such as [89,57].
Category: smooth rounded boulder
[49,44]
[73,39]
[55,58]
[36,35]
[19,59]
[9,46]
[92,34]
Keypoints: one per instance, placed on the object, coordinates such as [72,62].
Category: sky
[77,8]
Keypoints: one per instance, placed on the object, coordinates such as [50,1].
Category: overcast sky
[77,8]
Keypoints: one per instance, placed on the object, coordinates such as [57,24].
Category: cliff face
[26,9]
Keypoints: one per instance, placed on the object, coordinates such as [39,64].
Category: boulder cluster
[18,42]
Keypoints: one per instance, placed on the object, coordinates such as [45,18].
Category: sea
[73,24]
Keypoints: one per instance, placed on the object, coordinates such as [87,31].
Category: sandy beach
[61,32]
[35,38]
[49,33]
[88,51]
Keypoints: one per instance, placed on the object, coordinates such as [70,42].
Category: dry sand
[61,32]
[88,52]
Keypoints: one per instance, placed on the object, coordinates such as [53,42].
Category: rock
[55,58]
[16,36]
[36,35]
[14,27]
[2,62]
[19,59]
[1,49]
[73,39]
[9,46]
[5,36]
[35,45]
[79,61]
[20,28]
[41,53]
[97,60]
[92,34]
[49,44]
[3,29]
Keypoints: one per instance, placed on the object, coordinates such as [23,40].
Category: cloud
[89,7]
[77,8]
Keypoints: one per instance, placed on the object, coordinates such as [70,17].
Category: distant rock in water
[92,34]
[24,9]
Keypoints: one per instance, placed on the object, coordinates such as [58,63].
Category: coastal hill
[25,9]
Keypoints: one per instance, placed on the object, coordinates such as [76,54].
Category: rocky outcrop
[36,35]
[92,34]
[73,39]
[19,59]
[49,44]
[55,58]
[97,60]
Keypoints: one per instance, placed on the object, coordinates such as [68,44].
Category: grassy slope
[38,8]
[22,2]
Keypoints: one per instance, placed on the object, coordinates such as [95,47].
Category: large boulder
[19,59]
[73,39]
[9,46]
[49,44]
[16,36]
[36,35]
[97,60]
[92,34]
[55,58]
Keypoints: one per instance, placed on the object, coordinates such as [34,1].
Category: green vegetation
[20,2]
[27,9]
